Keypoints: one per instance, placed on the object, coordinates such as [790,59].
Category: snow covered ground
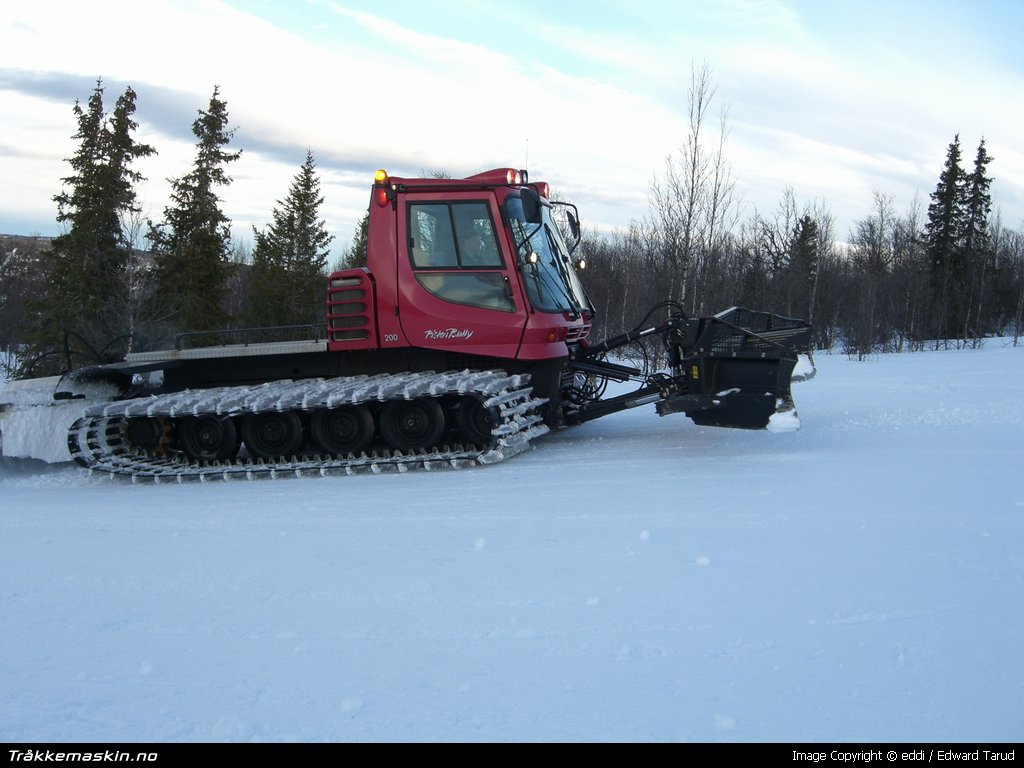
[635,579]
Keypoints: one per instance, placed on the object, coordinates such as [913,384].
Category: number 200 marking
[390,338]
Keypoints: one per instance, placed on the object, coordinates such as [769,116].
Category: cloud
[593,99]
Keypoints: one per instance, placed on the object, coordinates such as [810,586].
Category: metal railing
[262,334]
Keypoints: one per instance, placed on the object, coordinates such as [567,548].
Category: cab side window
[431,240]
[455,254]
[477,246]
[453,235]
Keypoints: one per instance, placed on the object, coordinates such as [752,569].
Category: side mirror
[531,205]
[574,225]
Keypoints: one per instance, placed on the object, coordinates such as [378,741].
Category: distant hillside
[22,241]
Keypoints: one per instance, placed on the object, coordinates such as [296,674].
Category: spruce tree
[803,267]
[356,256]
[979,253]
[944,232]
[977,205]
[192,245]
[80,312]
[290,257]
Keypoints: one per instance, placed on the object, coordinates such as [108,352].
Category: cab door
[457,287]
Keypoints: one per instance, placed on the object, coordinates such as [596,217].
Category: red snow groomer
[465,337]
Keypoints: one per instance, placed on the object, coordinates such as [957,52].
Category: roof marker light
[382,192]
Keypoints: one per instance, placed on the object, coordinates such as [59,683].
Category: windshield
[551,283]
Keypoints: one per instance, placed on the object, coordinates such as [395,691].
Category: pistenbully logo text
[447,334]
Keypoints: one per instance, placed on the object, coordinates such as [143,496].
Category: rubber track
[96,441]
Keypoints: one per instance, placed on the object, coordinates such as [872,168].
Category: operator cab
[475,266]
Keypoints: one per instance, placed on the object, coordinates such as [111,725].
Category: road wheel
[272,435]
[341,431]
[475,421]
[409,425]
[151,435]
[208,438]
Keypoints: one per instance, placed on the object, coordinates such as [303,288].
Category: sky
[633,579]
[833,100]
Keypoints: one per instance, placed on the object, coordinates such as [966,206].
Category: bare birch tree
[693,202]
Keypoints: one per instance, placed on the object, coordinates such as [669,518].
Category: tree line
[115,282]
[948,274]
